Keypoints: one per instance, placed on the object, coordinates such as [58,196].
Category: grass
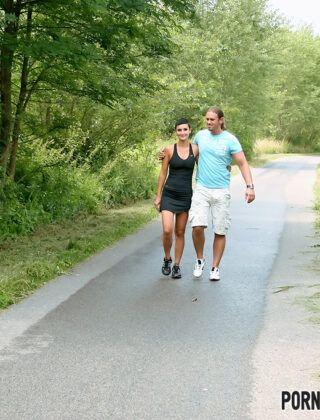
[28,262]
[315,300]
[317,200]
[317,210]
[266,150]
[270,146]
[312,303]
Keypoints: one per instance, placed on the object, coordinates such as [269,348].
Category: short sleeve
[196,139]
[234,145]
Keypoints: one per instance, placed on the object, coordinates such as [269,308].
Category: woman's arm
[162,176]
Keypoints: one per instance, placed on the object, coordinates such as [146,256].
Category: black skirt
[175,201]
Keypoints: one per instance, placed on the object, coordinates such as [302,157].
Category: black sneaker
[166,267]
[176,272]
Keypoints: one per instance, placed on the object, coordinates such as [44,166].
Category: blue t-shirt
[215,154]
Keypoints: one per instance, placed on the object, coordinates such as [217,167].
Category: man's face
[213,121]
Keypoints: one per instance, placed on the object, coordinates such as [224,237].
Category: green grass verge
[312,303]
[317,201]
[315,299]
[27,262]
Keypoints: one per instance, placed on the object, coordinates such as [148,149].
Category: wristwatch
[251,186]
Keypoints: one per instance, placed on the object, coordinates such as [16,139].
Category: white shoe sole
[197,274]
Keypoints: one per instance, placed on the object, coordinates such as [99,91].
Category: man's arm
[162,154]
[242,163]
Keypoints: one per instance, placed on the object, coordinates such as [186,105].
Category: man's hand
[250,195]
[156,203]
[162,154]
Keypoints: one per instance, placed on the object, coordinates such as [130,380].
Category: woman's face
[183,132]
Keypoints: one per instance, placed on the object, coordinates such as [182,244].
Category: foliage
[51,188]
[221,61]
[91,89]
[294,89]
[53,194]
[130,177]
[94,48]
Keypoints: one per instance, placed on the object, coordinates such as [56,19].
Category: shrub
[132,176]
[49,195]
[268,146]
[49,189]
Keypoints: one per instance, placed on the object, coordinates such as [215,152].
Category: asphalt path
[117,340]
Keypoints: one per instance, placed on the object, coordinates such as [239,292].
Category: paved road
[131,344]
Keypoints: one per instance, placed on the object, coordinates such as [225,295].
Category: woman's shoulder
[169,149]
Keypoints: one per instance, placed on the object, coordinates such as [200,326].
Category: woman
[174,194]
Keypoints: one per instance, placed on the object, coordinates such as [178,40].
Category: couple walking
[213,149]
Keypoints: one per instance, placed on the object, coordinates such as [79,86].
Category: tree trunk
[6,60]
[21,104]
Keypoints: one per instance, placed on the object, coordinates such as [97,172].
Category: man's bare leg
[219,244]
[198,240]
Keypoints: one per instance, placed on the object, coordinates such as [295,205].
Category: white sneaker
[214,274]
[198,268]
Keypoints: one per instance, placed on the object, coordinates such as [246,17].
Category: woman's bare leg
[179,230]
[167,231]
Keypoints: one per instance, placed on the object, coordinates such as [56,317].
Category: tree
[223,60]
[92,48]
[294,89]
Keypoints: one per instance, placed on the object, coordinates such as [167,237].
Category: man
[217,147]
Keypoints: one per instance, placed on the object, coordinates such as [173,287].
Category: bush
[64,192]
[132,176]
[45,196]
[49,189]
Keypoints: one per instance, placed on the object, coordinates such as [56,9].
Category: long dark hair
[219,112]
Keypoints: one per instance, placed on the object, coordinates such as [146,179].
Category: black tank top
[180,171]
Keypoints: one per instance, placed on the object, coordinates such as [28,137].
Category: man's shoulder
[229,136]
[202,133]
[232,142]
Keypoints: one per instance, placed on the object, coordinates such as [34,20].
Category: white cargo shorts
[211,203]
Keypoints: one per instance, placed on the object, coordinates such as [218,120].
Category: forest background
[91,89]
